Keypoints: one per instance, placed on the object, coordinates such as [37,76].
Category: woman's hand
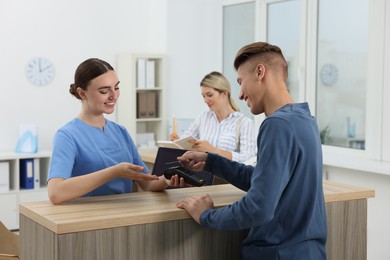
[203,146]
[161,184]
[61,190]
[174,137]
[175,181]
[132,172]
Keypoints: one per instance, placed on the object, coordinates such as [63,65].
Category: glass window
[285,33]
[238,30]
[342,72]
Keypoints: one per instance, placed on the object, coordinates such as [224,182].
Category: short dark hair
[269,54]
[87,71]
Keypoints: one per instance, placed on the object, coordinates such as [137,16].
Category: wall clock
[39,71]
[329,74]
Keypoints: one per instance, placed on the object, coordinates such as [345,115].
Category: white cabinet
[9,210]
[11,178]
[141,105]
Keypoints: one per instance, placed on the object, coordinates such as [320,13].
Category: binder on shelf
[26,167]
[141,73]
[150,74]
[142,104]
[37,179]
[152,104]
[4,177]
[147,104]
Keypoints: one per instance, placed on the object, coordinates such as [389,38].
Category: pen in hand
[172,162]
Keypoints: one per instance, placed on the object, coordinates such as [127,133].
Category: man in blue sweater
[284,206]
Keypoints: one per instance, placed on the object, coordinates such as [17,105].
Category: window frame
[376,156]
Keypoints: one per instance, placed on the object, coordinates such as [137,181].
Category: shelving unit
[130,101]
[10,199]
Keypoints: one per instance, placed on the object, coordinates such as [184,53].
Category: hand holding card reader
[189,176]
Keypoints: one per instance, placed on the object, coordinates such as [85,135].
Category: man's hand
[195,205]
[193,160]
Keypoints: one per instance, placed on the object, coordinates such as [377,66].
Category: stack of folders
[147,104]
[146,72]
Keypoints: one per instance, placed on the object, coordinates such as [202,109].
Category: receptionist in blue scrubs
[91,154]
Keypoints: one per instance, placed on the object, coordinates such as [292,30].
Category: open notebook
[167,157]
[183,143]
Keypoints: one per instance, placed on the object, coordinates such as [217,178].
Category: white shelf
[128,104]
[12,155]
[149,119]
[356,163]
[9,201]
[148,89]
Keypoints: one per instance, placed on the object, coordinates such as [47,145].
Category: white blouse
[235,133]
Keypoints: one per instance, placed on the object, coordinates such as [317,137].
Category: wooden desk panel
[170,240]
[147,225]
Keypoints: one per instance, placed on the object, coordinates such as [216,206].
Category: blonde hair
[218,81]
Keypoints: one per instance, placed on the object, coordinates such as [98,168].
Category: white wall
[378,229]
[193,50]
[66,32]
[69,32]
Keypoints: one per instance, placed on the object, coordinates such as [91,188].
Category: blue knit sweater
[284,206]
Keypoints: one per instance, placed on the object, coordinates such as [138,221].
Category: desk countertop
[135,208]
[148,155]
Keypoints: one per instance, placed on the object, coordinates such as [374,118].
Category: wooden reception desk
[147,225]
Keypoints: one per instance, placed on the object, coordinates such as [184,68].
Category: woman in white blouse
[223,129]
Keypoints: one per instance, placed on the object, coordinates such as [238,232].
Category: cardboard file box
[9,244]
[147,104]
[152,104]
